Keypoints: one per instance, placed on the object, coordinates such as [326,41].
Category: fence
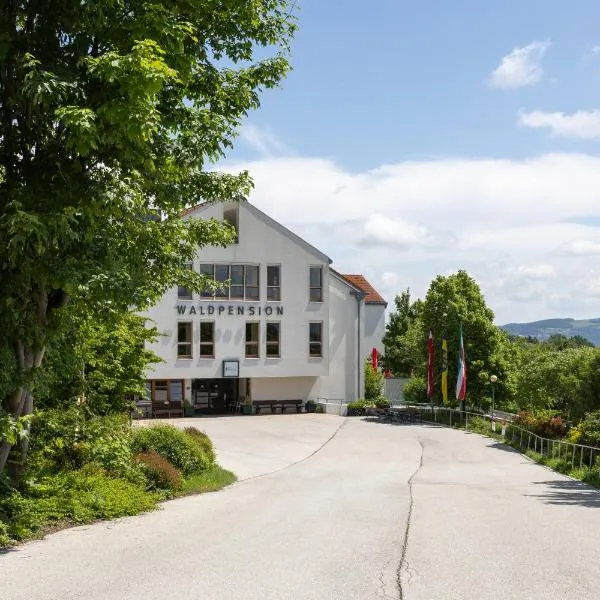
[569,454]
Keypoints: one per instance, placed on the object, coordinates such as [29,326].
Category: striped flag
[430,357]
[445,370]
[461,379]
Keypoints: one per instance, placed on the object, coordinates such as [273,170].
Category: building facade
[283,326]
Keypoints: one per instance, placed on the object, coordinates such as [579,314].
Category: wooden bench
[277,404]
[167,409]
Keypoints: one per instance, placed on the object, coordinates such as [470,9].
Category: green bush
[175,445]
[588,431]
[159,472]
[373,382]
[76,496]
[415,391]
[543,423]
[360,403]
[203,441]
[382,402]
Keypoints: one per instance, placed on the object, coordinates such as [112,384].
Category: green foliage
[450,302]
[159,472]
[203,441]
[360,403]
[75,496]
[122,112]
[588,431]
[543,423]
[373,382]
[402,336]
[180,449]
[69,438]
[212,480]
[415,390]
[382,402]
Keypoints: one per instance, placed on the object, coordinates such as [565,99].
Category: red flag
[430,357]
[374,358]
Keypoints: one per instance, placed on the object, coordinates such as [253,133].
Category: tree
[111,113]
[401,335]
[373,382]
[454,301]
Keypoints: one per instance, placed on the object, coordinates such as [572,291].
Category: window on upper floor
[273,339]
[207,339]
[316,284]
[315,339]
[274,283]
[252,339]
[231,217]
[184,339]
[184,293]
[236,282]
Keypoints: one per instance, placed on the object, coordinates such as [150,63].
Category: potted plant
[188,409]
[247,406]
[310,406]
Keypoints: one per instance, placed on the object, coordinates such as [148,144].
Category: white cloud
[522,67]
[583,248]
[264,141]
[582,124]
[510,223]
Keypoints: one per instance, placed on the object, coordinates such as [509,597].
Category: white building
[286,327]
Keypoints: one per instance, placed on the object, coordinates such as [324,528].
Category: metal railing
[575,455]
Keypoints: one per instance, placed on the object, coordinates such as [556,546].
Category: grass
[212,480]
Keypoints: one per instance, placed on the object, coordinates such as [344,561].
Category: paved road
[483,523]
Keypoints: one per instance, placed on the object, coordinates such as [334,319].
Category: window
[252,332]
[273,339]
[230,216]
[221,277]
[184,293]
[315,339]
[273,282]
[209,271]
[236,288]
[239,282]
[207,339]
[316,284]
[184,339]
[162,391]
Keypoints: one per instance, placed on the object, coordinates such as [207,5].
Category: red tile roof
[373,296]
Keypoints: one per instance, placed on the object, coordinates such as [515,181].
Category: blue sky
[442,136]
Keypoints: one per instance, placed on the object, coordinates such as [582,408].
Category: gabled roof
[372,295]
[269,221]
[342,279]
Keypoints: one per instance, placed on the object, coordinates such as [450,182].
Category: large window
[207,339]
[273,340]
[315,339]
[162,391]
[274,282]
[184,339]
[184,293]
[252,339]
[237,282]
[316,284]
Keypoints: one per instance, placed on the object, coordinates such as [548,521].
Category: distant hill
[542,330]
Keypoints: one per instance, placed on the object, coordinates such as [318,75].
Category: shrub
[544,423]
[589,430]
[382,402]
[76,496]
[415,390]
[203,441]
[175,445]
[373,382]
[360,403]
[160,473]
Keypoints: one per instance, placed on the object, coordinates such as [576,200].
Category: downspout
[360,296]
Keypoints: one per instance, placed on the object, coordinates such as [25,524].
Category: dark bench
[167,409]
[403,415]
[277,404]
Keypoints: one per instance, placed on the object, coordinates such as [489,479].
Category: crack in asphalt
[403,562]
[329,439]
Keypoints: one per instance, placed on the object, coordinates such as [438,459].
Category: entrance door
[214,396]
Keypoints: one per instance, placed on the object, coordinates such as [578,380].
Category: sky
[414,139]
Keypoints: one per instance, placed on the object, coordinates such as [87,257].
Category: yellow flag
[445,370]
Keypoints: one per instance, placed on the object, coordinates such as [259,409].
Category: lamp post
[493,380]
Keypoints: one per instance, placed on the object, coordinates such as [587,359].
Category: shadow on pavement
[568,493]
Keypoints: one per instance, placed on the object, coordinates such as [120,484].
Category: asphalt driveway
[337,509]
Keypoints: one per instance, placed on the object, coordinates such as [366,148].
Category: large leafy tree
[111,113]
[402,336]
[457,300]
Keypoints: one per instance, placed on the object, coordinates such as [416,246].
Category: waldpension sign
[228,310]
